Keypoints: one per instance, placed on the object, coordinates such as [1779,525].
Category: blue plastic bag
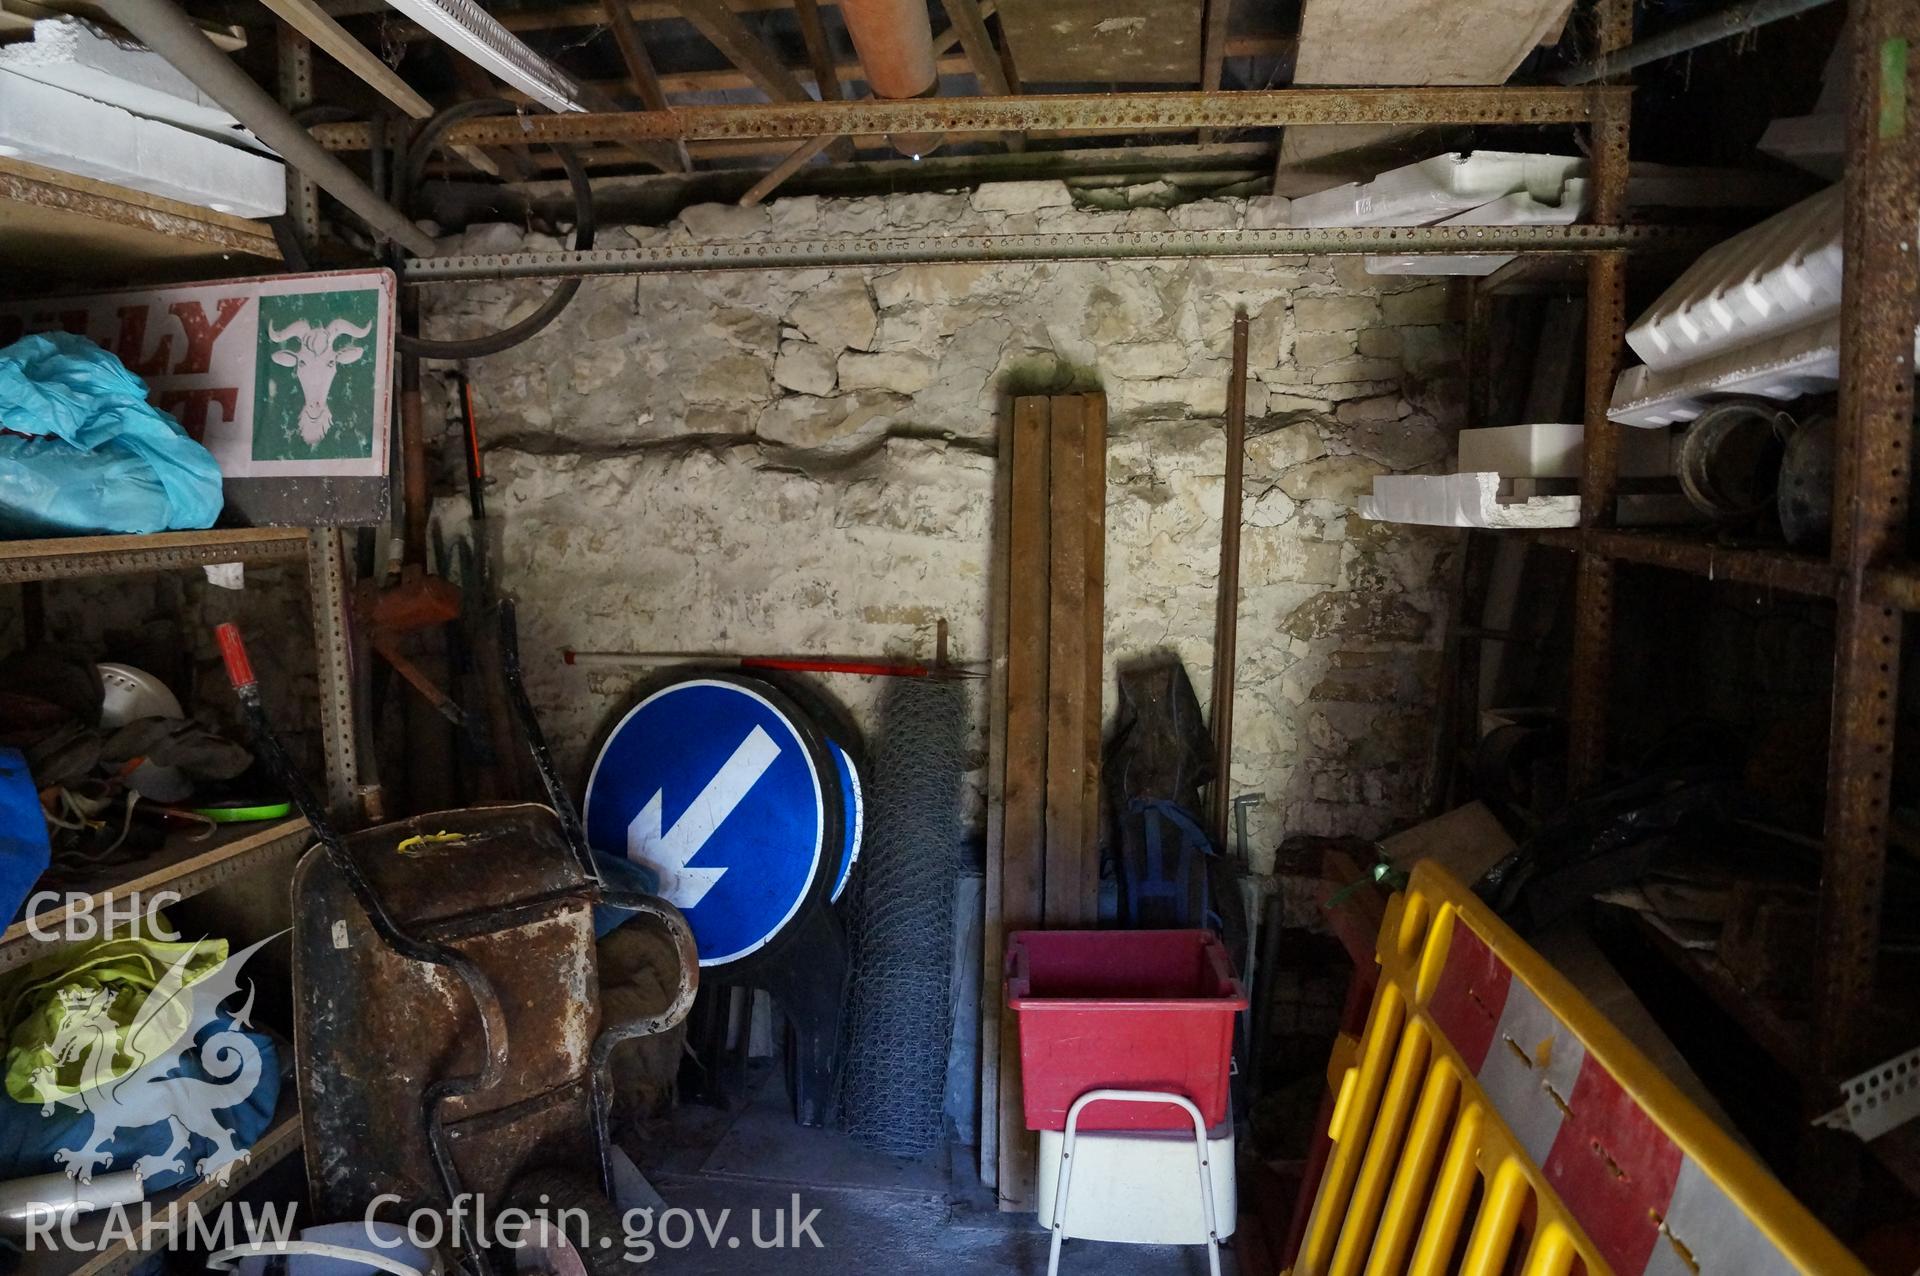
[24,848]
[100,458]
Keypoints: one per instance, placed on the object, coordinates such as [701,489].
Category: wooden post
[1024,822]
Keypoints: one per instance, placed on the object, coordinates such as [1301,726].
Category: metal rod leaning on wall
[1226,624]
[1735,19]
[162,27]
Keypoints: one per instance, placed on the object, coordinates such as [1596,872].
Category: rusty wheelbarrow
[448,1029]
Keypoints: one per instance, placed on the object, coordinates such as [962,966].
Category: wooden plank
[992,931]
[723,27]
[1067,668]
[826,76]
[1096,42]
[945,62]
[1024,823]
[1362,42]
[967,22]
[1213,51]
[641,74]
[1094,638]
[803,154]
[61,225]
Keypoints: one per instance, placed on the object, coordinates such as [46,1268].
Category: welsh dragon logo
[157,1043]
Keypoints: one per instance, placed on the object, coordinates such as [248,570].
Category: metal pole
[1731,21]
[169,32]
[1226,625]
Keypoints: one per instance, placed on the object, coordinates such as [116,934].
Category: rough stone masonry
[802,462]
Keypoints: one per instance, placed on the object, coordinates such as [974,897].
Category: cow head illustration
[314,360]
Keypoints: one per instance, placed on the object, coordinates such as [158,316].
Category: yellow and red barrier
[1492,1121]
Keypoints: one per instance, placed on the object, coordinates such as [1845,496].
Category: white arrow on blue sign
[724,791]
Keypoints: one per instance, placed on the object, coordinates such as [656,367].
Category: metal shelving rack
[75,557]
[188,867]
[1866,573]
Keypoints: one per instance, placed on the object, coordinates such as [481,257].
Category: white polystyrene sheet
[1554,450]
[75,55]
[1781,275]
[74,134]
[1787,366]
[1435,189]
[1521,208]
[1462,500]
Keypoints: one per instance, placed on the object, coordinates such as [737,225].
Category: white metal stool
[1202,1160]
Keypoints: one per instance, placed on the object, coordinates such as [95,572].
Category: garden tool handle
[233,650]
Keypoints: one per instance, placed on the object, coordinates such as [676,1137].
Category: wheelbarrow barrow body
[500,886]
[448,1026]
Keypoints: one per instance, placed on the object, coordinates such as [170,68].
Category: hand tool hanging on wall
[1226,625]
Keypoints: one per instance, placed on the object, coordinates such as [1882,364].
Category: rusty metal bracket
[1079,112]
[804,254]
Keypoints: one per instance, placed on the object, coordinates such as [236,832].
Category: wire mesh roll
[900,923]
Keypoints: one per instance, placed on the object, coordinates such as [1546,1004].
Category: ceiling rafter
[723,27]
[641,75]
[804,153]
[968,22]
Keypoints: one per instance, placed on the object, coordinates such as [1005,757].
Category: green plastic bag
[125,970]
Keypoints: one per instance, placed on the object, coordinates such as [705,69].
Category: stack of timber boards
[1043,837]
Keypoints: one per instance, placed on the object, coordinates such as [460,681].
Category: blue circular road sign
[727,792]
[853,806]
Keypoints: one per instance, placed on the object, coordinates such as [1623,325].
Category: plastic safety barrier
[1492,1121]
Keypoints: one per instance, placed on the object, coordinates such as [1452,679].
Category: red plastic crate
[1122,1009]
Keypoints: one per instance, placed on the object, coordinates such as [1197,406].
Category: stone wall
[801,461]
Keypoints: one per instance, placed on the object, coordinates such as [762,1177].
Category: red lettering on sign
[74,321]
[201,334]
[133,342]
[193,405]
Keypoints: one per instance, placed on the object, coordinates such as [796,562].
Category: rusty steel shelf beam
[906,250]
[1764,566]
[1090,112]
[1896,586]
[1606,336]
[71,557]
[1880,289]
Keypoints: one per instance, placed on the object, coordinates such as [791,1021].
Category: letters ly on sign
[280,376]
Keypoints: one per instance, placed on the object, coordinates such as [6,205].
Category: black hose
[406,178]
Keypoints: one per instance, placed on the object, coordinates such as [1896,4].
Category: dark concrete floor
[875,1213]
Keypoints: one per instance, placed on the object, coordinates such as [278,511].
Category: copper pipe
[894,39]
[895,42]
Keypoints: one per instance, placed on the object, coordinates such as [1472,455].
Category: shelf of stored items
[184,865]
[99,231]
[1867,574]
[71,557]
[99,1252]
[1779,1035]
[26,562]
